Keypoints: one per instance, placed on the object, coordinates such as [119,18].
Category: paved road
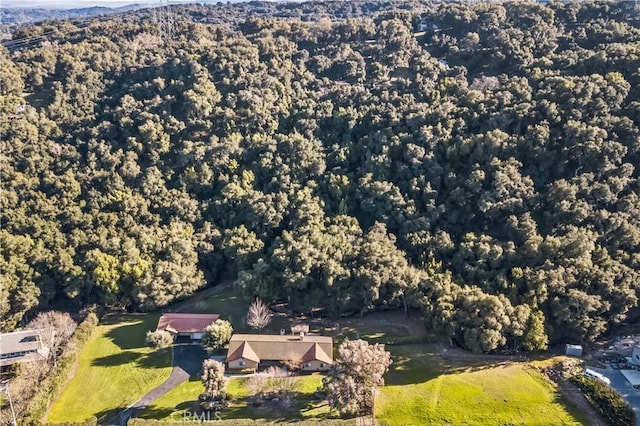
[623,387]
[187,361]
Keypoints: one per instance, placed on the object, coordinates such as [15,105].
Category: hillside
[11,16]
[483,170]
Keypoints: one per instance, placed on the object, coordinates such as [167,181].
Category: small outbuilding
[299,328]
[574,350]
[186,325]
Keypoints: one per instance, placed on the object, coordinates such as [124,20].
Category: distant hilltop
[77,4]
[15,11]
[15,15]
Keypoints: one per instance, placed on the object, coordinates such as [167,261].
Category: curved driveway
[187,361]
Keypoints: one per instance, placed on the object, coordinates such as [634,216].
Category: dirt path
[365,421]
[455,354]
[573,394]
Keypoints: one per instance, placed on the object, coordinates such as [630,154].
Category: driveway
[623,387]
[187,361]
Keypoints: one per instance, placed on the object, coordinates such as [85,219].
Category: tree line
[482,170]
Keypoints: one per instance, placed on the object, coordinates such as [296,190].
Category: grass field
[176,404]
[422,388]
[226,303]
[114,369]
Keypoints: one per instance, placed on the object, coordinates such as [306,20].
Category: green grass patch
[226,303]
[389,328]
[115,369]
[424,389]
[181,401]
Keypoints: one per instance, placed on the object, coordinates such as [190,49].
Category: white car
[595,375]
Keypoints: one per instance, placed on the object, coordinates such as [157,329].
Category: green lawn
[423,389]
[174,404]
[226,303]
[114,369]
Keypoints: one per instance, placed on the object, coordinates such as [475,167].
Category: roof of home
[317,353]
[270,347]
[244,351]
[22,346]
[186,323]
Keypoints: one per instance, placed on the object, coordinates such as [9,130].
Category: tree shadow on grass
[113,416]
[106,415]
[407,370]
[152,360]
[475,367]
[129,336]
[158,359]
[578,412]
[159,413]
[242,408]
[120,358]
[187,411]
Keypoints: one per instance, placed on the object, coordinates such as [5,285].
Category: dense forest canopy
[483,170]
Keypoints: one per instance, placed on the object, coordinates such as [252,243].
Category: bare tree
[293,361]
[258,315]
[357,371]
[56,328]
[284,384]
[274,384]
[258,385]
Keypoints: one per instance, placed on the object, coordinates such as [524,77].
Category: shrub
[218,334]
[159,339]
[293,361]
[607,401]
[213,379]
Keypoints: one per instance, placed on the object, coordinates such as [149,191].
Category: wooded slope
[485,171]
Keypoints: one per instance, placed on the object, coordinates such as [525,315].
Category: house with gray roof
[22,346]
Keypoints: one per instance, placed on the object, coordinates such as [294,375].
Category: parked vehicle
[595,375]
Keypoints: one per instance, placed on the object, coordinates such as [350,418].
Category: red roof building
[192,325]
